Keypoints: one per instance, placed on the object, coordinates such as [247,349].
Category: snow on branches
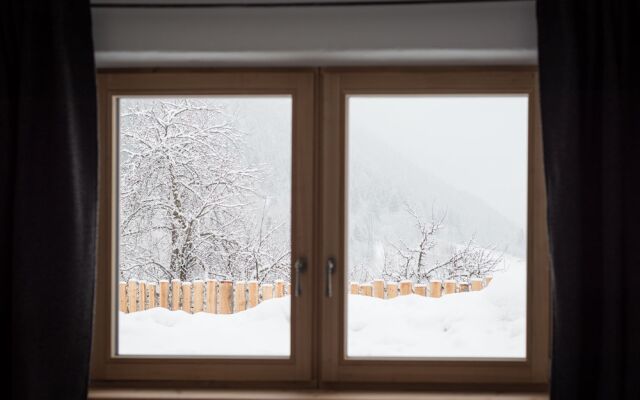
[425,259]
[189,204]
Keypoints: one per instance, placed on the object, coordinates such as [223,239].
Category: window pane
[437,215]
[204,259]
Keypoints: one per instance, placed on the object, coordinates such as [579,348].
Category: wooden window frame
[106,365]
[318,187]
[335,369]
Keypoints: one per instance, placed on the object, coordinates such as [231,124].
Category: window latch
[330,268]
[300,266]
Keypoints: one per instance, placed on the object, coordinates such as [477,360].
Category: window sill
[202,394]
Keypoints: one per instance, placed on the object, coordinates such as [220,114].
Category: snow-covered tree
[188,198]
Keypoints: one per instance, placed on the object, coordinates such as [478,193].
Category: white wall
[461,34]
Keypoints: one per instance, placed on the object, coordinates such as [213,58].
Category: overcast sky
[475,143]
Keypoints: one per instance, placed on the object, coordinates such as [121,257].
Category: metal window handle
[330,268]
[301,266]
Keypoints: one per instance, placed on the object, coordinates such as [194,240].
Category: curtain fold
[48,193]
[590,100]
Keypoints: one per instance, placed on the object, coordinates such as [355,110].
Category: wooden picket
[186,297]
[228,297]
[279,288]
[198,295]
[240,297]
[392,290]
[164,293]
[254,294]
[212,296]
[175,294]
[378,288]
[152,295]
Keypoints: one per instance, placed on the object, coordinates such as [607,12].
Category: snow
[260,331]
[489,323]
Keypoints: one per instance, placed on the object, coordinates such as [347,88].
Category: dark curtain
[590,98]
[48,193]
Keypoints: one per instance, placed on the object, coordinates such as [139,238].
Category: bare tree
[474,261]
[419,263]
[187,196]
[264,254]
[360,273]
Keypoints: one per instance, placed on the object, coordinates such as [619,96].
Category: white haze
[461,157]
[477,144]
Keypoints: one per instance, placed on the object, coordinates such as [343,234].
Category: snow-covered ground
[260,331]
[488,323]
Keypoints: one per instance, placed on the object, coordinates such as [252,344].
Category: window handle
[330,268]
[301,266]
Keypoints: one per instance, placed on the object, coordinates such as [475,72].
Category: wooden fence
[228,297]
[436,288]
[212,296]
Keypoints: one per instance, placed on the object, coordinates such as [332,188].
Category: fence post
[476,284]
[267,291]
[366,289]
[253,293]
[405,287]
[122,296]
[212,296]
[152,295]
[464,287]
[487,280]
[164,293]
[421,289]
[186,297]
[240,301]
[142,288]
[175,294]
[355,288]
[226,300]
[133,294]
[449,286]
[279,288]
[392,290]
[378,288]
[198,295]
[436,288]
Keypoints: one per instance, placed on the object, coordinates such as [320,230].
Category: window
[436,206]
[204,225]
[385,207]
[332,227]
[202,173]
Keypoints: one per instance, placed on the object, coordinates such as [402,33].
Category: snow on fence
[212,296]
[381,289]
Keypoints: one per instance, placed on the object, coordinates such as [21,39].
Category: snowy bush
[427,259]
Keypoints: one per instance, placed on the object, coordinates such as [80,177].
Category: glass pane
[437,215]
[204,260]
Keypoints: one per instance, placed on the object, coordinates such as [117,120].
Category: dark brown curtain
[48,193]
[590,94]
